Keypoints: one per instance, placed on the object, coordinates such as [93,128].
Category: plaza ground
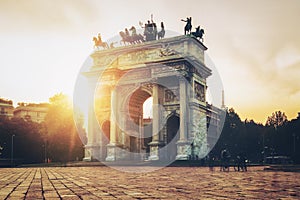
[101,182]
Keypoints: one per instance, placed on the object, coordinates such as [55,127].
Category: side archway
[172,136]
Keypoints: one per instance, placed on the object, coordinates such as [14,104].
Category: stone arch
[133,127]
[173,113]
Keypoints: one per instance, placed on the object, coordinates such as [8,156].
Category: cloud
[255,44]
[37,15]
[262,56]
[287,56]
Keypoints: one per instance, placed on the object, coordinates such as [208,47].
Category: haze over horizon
[254,45]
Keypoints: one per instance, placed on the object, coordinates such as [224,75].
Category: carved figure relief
[171,95]
[199,91]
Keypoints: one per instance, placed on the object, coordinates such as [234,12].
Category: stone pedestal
[183,150]
[154,150]
[92,152]
[111,152]
[87,156]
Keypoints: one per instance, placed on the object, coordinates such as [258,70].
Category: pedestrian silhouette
[225,160]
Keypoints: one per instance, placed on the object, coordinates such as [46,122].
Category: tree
[27,140]
[276,119]
[293,128]
[231,136]
[62,139]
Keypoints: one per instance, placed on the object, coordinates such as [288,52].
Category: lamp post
[294,135]
[1,148]
[45,153]
[12,151]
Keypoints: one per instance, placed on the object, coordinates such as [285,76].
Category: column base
[154,150]
[87,159]
[91,152]
[111,153]
[183,150]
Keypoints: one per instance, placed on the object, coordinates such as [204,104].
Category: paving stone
[165,183]
[89,197]
[50,194]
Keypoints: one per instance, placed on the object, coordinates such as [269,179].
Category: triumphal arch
[172,71]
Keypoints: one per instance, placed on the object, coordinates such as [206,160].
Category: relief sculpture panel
[199,91]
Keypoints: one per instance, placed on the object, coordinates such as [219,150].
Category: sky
[255,46]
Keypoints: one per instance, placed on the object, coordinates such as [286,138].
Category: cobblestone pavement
[165,183]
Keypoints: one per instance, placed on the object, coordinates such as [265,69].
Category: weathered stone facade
[172,71]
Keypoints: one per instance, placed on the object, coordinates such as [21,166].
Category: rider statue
[188,26]
[98,42]
[133,31]
[127,32]
[99,38]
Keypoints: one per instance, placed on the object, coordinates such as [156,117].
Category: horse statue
[138,38]
[125,39]
[199,33]
[133,31]
[134,38]
[112,45]
[161,33]
[188,26]
[98,42]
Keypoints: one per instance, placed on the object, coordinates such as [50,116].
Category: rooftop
[6,102]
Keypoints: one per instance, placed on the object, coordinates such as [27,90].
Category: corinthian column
[156,115]
[183,109]
[113,112]
[92,148]
[111,147]
[154,145]
[182,144]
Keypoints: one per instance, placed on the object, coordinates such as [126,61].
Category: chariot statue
[132,38]
[150,30]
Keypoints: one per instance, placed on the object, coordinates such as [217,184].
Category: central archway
[137,129]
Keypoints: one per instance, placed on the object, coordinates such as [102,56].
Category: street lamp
[1,148]
[45,153]
[294,135]
[12,151]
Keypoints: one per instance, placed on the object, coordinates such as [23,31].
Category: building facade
[6,108]
[31,112]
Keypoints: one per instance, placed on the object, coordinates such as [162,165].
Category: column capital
[153,81]
[182,78]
